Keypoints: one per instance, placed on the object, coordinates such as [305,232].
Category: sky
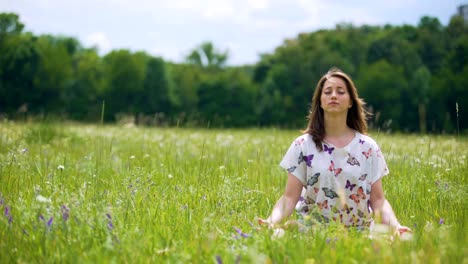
[245,28]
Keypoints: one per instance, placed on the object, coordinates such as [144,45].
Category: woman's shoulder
[303,139]
[366,139]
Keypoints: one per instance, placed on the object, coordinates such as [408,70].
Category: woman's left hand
[400,230]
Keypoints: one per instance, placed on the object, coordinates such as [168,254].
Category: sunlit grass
[73,193]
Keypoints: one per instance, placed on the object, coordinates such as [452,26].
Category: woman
[334,168]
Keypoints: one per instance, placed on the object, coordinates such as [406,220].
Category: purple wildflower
[41,217]
[51,220]
[65,212]
[242,234]
[7,210]
[441,221]
[110,225]
[218,259]
[8,214]
[328,240]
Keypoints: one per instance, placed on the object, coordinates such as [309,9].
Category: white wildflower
[60,167]
[42,199]
[170,176]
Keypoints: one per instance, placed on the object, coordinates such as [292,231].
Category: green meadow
[74,193]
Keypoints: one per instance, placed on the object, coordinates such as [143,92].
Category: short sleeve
[379,166]
[292,162]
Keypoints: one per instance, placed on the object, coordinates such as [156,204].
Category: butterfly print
[360,213]
[357,197]
[340,218]
[292,169]
[347,209]
[332,168]
[307,159]
[328,149]
[316,190]
[330,193]
[334,209]
[353,220]
[367,153]
[363,177]
[349,185]
[361,141]
[303,208]
[301,158]
[323,205]
[309,200]
[352,160]
[314,179]
[379,154]
[298,141]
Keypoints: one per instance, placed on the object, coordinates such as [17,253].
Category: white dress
[337,181]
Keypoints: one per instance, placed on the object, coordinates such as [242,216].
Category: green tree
[383,88]
[124,80]
[420,87]
[9,26]
[54,74]
[19,60]
[156,94]
[81,97]
[207,56]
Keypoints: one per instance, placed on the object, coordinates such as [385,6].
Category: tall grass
[74,193]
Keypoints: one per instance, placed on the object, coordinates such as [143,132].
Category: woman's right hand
[264,223]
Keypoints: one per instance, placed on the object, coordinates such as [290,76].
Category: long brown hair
[357,114]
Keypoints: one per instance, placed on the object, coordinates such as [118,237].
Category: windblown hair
[357,114]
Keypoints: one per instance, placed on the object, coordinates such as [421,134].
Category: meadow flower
[65,212]
[60,167]
[110,225]
[441,221]
[8,214]
[51,220]
[42,199]
[218,259]
[242,234]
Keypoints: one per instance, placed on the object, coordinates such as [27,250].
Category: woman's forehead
[334,81]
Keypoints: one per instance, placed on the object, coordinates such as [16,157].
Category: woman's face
[335,97]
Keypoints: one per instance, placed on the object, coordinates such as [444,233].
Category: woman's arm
[382,208]
[286,203]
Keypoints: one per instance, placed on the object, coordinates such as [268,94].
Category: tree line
[413,79]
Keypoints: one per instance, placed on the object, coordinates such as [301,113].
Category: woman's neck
[335,126]
[337,131]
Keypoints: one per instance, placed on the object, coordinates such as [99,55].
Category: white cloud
[171,28]
[258,4]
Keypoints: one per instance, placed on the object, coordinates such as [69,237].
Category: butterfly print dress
[337,181]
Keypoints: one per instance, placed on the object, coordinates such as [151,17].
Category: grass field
[99,194]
